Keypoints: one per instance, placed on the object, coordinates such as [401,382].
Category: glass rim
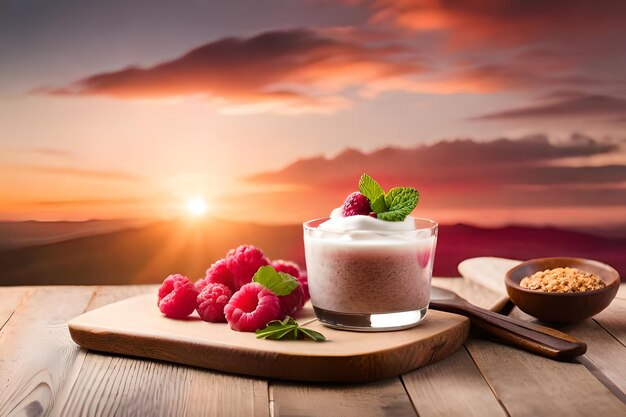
[432,226]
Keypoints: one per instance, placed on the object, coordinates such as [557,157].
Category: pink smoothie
[381,274]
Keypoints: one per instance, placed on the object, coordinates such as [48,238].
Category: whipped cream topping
[339,223]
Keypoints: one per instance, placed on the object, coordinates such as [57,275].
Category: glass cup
[367,280]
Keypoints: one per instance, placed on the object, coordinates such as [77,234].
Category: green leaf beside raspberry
[280,283]
[400,202]
[393,206]
[379,205]
[370,188]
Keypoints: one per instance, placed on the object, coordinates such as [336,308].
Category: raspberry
[219,273]
[200,284]
[356,203]
[243,263]
[304,283]
[177,297]
[290,268]
[252,307]
[211,302]
[291,303]
[169,285]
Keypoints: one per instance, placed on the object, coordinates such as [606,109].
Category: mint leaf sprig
[393,206]
[288,329]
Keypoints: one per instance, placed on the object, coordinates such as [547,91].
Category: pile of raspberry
[228,294]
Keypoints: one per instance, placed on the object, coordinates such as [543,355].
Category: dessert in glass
[366,273]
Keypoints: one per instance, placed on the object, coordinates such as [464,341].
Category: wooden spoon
[528,336]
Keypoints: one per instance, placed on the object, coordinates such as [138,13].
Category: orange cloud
[455,175]
[80,172]
[510,45]
[291,70]
[566,105]
[491,78]
[444,161]
[39,151]
[504,22]
[90,202]
[504,45]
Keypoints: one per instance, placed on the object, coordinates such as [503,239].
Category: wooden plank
[109,385]
[102,295]
[613,320]
[605,357]
[386,398]
[216,394]
[621,293]
[381,398]
[36,352]
[107,294]
[121,386]
[452,386]
[527,384]
[10,298]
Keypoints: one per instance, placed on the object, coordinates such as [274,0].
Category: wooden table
[42,372]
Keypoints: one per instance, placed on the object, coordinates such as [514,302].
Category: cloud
[94,202]
[531,172]
[290,70]
[450,157]
[95,174]
[566,105]
[39,151]
[491,78]
[54,152]
[510,45]
[415,46]
[499,23]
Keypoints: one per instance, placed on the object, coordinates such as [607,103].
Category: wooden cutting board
[488,271]
[136,327]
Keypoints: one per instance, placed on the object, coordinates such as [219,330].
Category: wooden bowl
[562,307]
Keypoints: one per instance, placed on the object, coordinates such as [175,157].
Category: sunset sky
[498,112]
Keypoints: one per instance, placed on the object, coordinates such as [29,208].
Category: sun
[196,206]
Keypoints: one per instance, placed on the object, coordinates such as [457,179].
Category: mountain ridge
[147,254]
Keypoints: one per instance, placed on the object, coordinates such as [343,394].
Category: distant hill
[18,234]
[143,255]
[460,242]
[147,254]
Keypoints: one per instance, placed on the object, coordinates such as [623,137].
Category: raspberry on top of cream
[371,209]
